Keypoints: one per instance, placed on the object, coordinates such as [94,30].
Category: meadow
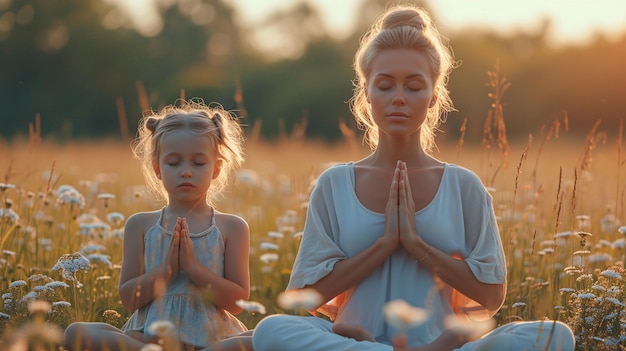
[559,199]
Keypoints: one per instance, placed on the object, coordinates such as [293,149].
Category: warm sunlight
[572,21]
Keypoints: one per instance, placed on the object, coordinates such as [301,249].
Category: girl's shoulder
[230,224]
[142,221]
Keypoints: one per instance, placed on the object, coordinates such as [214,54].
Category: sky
[573,21]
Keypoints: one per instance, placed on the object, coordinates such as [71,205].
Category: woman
[400,224]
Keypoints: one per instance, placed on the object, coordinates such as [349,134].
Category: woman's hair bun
[404,17]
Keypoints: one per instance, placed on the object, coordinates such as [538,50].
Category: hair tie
[152,124]
[217,119]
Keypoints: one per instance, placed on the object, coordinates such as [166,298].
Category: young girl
[186,263]
[400,224]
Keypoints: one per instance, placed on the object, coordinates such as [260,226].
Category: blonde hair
[403,27]
[219,125]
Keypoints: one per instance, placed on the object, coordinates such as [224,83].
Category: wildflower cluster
[597,309]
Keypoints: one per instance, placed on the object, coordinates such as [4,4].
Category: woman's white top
[459,220]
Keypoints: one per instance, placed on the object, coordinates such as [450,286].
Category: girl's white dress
[198,322]
[459,221]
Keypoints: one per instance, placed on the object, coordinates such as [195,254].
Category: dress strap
[161,215]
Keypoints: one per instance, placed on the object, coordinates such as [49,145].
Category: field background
[546,190]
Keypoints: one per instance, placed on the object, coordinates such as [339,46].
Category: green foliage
[85,79]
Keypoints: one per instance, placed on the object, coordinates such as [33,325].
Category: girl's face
[187,164]
[400,91]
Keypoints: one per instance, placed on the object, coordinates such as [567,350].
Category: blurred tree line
[84,71]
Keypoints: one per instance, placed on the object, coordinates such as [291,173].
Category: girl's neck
[183,209]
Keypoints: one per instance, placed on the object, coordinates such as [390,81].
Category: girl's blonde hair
[403,27]
[219,125]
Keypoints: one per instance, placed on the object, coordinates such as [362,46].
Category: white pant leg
[525,336]
[299,333]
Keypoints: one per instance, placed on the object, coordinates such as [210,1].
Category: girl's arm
[137,287]
[235,284]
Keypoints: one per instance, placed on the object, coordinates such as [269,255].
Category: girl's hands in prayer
[172,256]
[187,256]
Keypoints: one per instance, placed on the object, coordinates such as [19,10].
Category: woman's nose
[399,99]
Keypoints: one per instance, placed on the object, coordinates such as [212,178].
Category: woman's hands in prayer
[400,228]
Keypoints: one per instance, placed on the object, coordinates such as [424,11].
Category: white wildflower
[306,299]
[91,248]
[99,258]
[609,273]
[277,235]
[469,328]
[9,214]
[251,306]
[61,304]
[564,234]
[585,296]
[615,301]
[71,197]
[162,328]
[268,258]
[17,284]
[115,218]
[57,284]
[401,315]
[152,347]
[29,297]
[5,186]
[269,246]
[598,288]
[69,264]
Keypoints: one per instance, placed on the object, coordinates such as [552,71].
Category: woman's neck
[388,153]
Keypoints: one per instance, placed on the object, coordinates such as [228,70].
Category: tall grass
[559,205]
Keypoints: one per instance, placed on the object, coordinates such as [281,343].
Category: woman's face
[400,91]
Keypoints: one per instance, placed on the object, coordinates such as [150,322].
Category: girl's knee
[79,333]
[75,333]
[75,329]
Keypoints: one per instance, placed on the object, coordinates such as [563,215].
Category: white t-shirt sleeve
[318,251]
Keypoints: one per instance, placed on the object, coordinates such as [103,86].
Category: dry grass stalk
[34,133]
[459,145]
[121,116]
[495,121]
